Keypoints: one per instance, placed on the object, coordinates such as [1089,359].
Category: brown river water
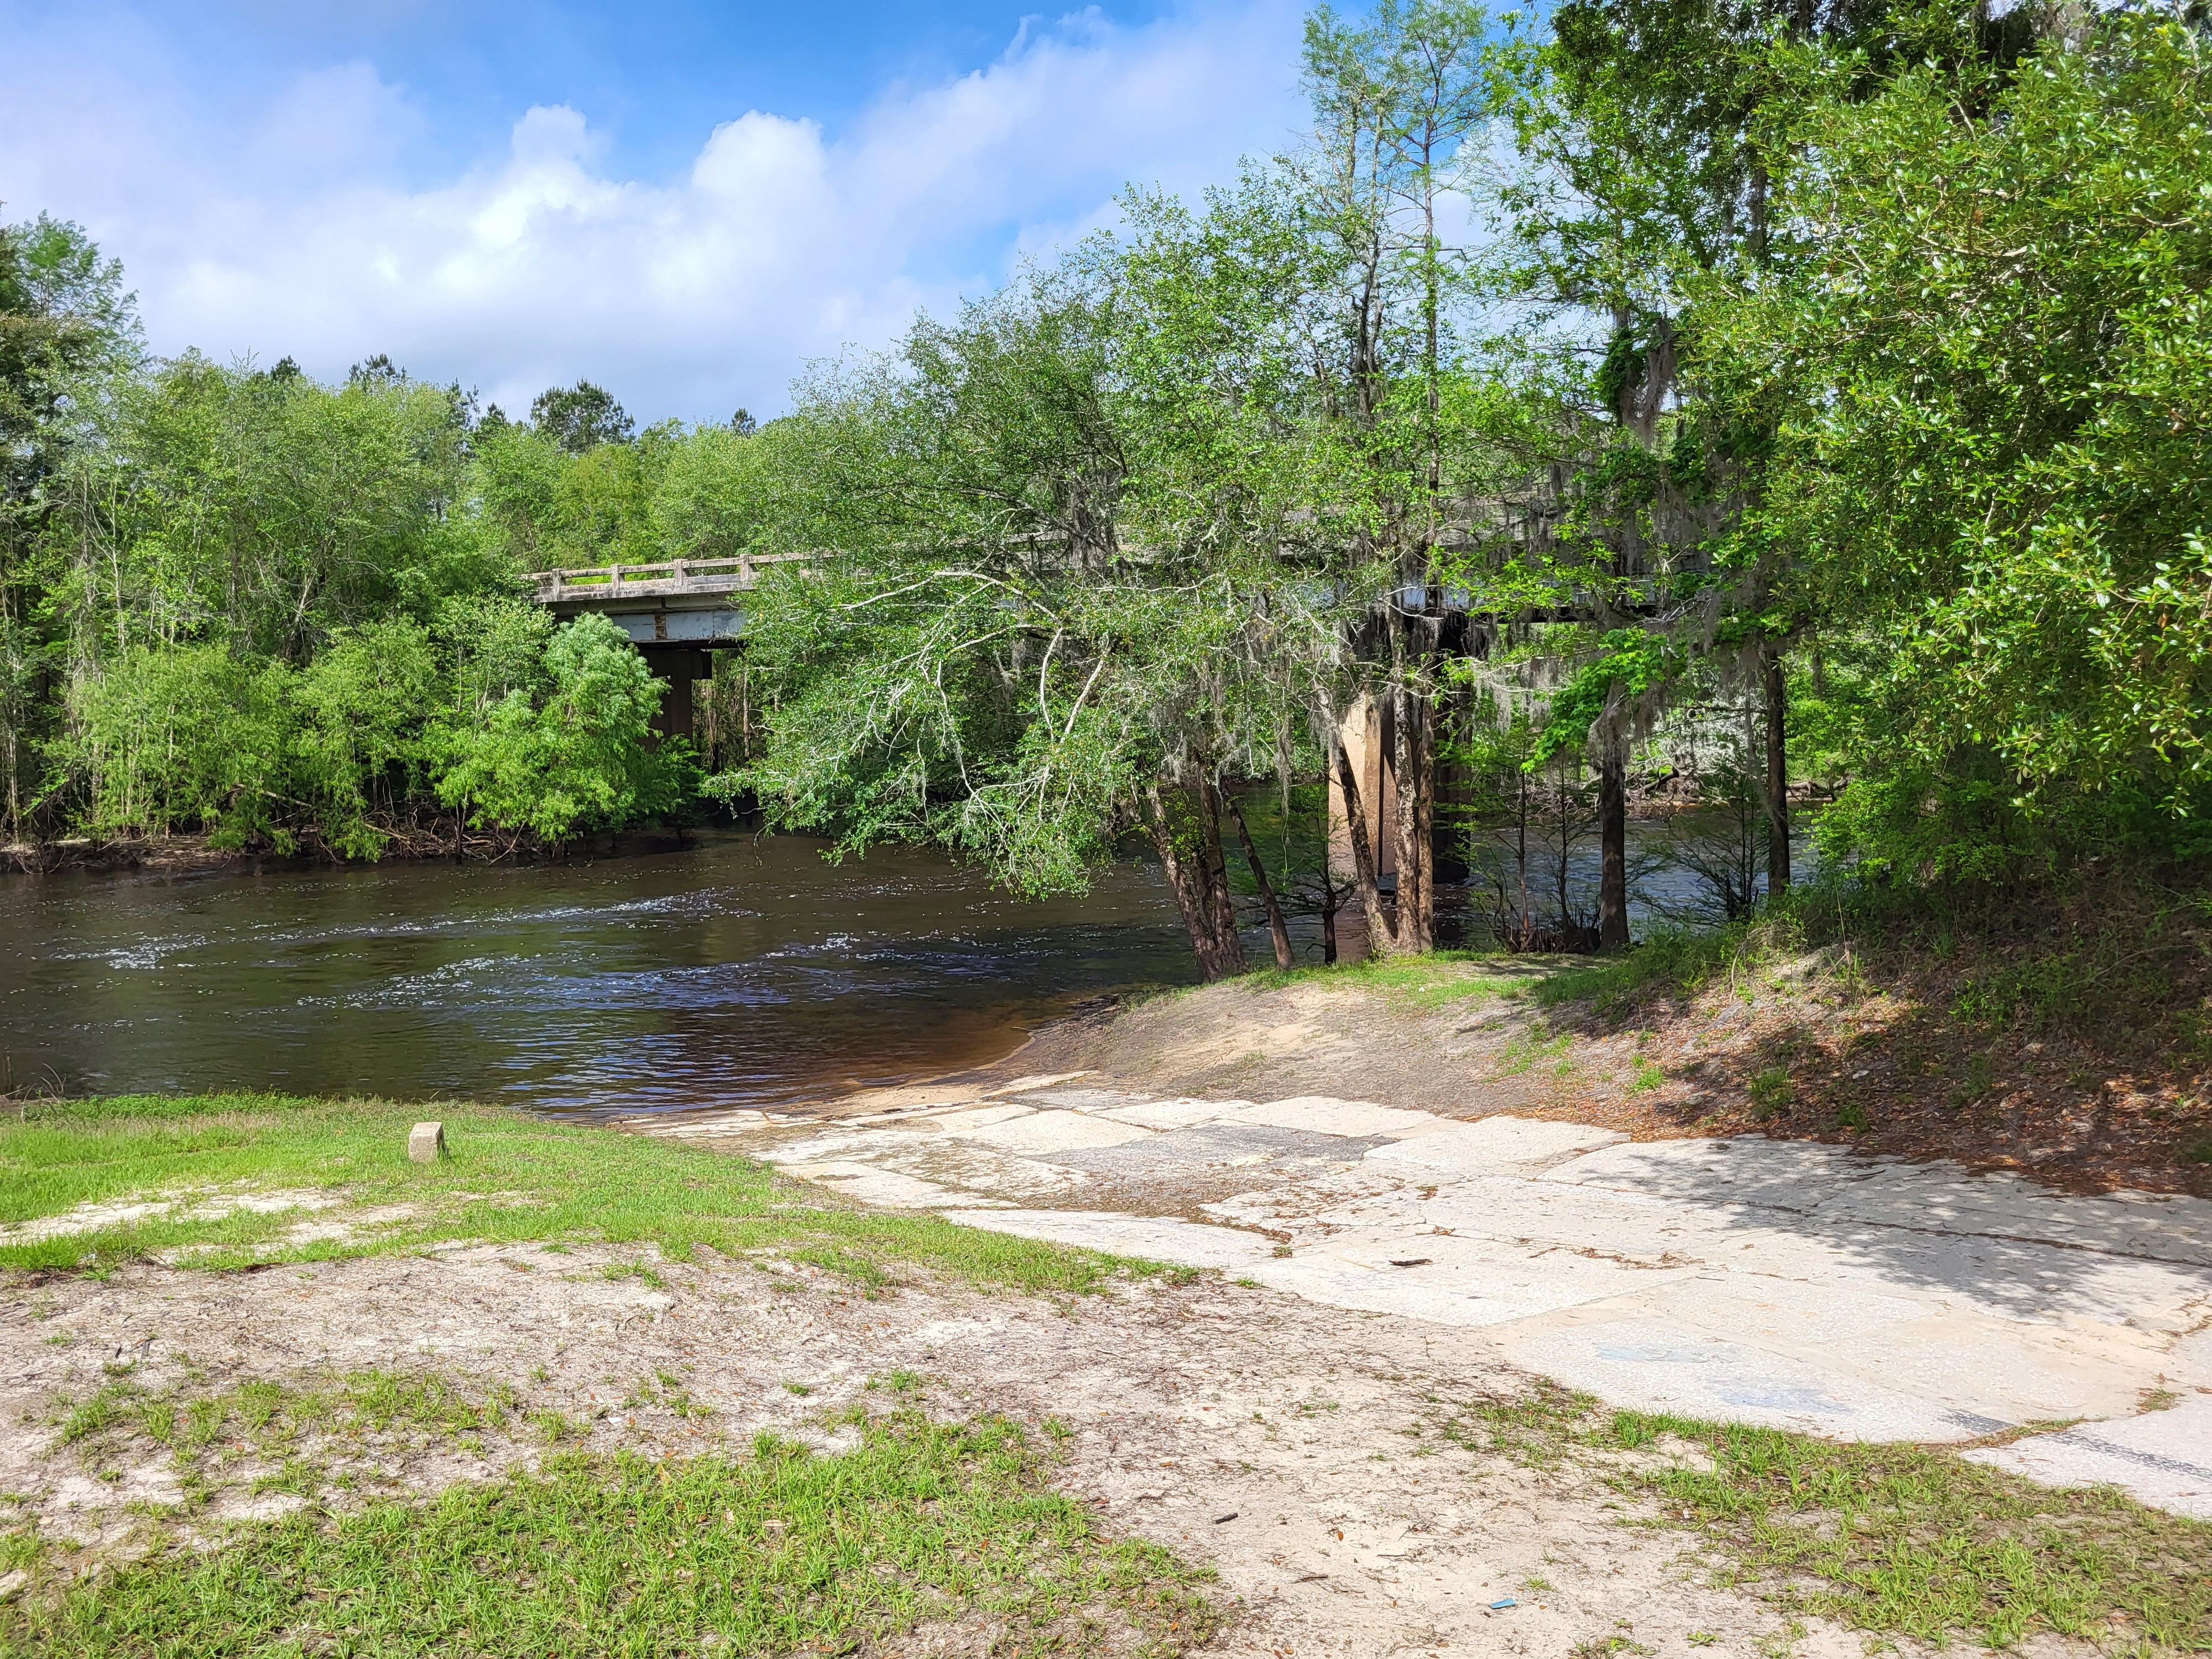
[739,971]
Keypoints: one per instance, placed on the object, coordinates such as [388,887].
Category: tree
[65,324]
[1992,364]
[1396,99]
[1050,619]
[580,417]
[581,759]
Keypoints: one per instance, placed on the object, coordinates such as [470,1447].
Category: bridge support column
[679,668]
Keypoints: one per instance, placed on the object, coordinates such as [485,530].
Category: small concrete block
[869,1184]
[426,1143]
[952,1123]
[2162,1457]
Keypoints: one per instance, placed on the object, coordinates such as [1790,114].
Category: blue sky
[683,202]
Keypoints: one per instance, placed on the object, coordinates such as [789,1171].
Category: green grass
[308,1436]
[779,1552]
[1536,1044]
[1772,1090]
[510,1179]
[1424,983]
[1894,1538]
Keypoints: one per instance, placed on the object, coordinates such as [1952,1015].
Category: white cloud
[687,295]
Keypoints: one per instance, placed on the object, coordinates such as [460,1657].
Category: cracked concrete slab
[1786,1284]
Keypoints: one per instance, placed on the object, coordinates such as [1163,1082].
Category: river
[739,971]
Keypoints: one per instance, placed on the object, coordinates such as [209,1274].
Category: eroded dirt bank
[1816,1047]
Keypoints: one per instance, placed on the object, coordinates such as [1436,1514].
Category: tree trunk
[1380,930]
[1412,748]
[1522,852]
[1278,929]
[1198,878]
[1613,846]
[1220,904]
[1424,822]
[1777,776]
[1567,923]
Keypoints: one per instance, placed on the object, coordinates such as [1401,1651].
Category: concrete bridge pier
[680,668]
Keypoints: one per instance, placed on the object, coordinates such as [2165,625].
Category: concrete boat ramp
[1784,1283]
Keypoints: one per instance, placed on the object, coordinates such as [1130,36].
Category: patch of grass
[773,1553]
[1534,1046]
[110,1405]
[1975,1081]
[553,1427]
[1899,1540]
[1601,1647]
[1916,1540]
[1533,1429]
[1648,1077]
[1772,1091]
[1852,1116]
[1677,959]
[510,1179]
[272,1418]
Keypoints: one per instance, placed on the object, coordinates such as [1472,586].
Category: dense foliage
[1991,365]
[240,602]
[1719,396]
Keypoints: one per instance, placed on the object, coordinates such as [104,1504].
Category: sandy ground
[1298,1448]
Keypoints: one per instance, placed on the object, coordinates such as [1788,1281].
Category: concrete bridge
[676,612]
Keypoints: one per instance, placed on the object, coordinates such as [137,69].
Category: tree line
[1719,396]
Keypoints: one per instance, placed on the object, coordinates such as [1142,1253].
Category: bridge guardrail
[661,578]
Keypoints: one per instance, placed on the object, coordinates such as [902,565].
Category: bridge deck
[669,579]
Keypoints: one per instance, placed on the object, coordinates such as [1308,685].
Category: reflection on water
[739,971]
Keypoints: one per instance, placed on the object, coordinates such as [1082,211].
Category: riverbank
[200,854]
[1978,1054]
[693,1398]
